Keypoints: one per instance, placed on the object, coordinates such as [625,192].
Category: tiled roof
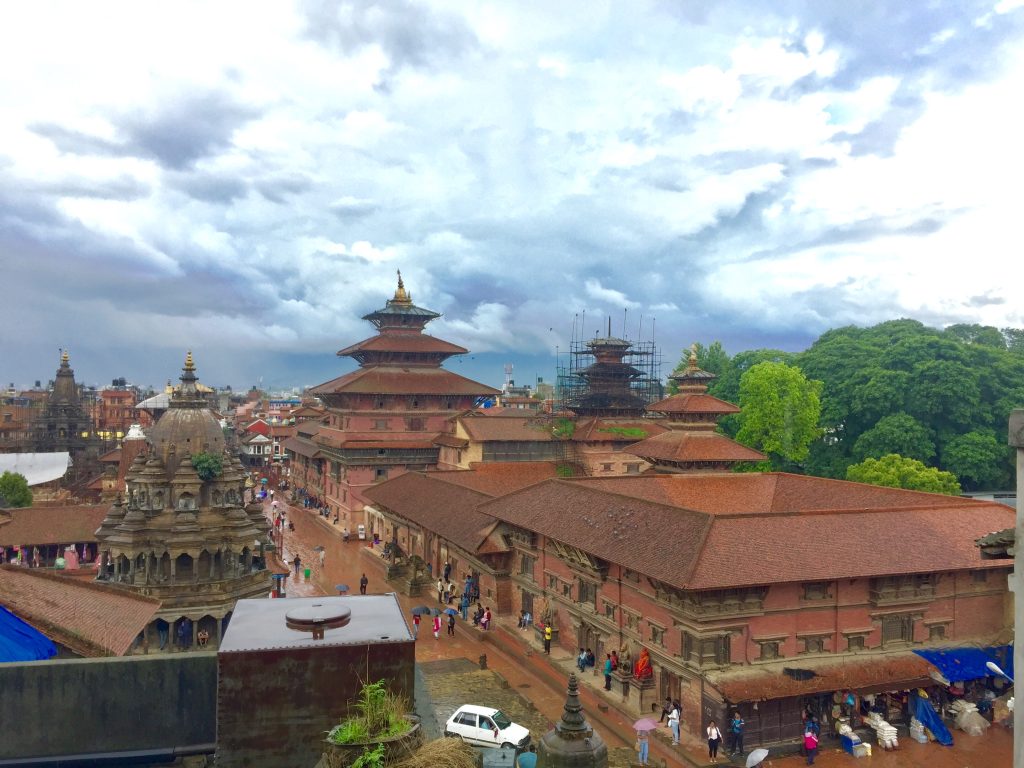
[499,478]
[693,403]
[52,525]
[393,442]
[388,380]
[523,429]
[89,618]
[302,447]
[437,506]
[732,530]
[619,529]
[768,681]
[682,445]
[111,457]
[450,440]
[615,430]
[395,341]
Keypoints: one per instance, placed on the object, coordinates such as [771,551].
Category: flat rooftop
[261,624]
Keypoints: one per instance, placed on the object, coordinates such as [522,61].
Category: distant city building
[65,425]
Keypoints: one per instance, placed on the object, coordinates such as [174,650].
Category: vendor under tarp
[20,641]
[969,663]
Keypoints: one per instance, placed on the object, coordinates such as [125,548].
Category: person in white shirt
[714,739]
[673,723]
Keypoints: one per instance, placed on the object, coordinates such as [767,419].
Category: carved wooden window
[897,629]
[380,423]
[526,565]
[855,643]
[632,468]
[632,620]
[936,632]
[770,650]
[979,577]
[567,589]
[657,635]
[609,610]
[586,592]
[629,575]
[552,581]
[814,644]
[816,590]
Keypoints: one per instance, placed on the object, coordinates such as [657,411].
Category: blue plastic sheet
[969,663]
[22,642]
[925,712]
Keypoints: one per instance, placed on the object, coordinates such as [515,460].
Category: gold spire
[401,295]
[189,366]
[692,363]
[64,357]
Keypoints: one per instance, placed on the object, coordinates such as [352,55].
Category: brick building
[383,417]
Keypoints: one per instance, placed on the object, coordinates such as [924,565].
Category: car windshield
[501,720]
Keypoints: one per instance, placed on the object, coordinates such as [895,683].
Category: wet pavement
[541,680]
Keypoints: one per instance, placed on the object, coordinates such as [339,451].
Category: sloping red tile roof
[52,525]
[393,442]
[387,380]
[684,445]
[89,618]
[612,430]
[444,508]
[900,670]
[111,457]
[450,440]
[301,446]
[732,530]
[523,429]
[499,478]
[650,538]
[693,403]
[396,341]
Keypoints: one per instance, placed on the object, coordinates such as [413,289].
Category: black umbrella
[421,610]
[342,588]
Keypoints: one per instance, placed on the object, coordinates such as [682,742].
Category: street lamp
[994,669]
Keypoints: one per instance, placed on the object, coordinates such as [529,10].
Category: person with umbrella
[415,626]
[756,758]
[451,622]
[642,727]
[437,626]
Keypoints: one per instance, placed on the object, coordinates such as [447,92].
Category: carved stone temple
[183,536]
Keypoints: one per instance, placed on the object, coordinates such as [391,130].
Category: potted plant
[378,731]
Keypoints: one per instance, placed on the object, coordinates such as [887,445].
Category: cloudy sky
[243,179]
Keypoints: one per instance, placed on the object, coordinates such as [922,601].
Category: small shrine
[572,743]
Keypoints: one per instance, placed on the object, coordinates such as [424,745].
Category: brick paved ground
[541,680]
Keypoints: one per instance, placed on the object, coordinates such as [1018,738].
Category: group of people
[525,620]
[735,732]
[482,617]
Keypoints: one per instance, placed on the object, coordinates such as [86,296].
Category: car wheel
[506,745]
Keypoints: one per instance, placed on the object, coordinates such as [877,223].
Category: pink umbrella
[645,724]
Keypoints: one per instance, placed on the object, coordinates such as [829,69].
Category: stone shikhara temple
[186,538]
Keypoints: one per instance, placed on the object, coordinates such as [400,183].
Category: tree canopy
[897,471]
[14,490]
[207,465]
[781,408]
[942,397]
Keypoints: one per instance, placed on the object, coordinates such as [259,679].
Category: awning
[969,663]
[862,674]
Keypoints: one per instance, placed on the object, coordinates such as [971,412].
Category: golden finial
[64,358]
[189,366]
[693,357]
[401,295]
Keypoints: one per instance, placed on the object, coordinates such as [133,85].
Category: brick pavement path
[543,678]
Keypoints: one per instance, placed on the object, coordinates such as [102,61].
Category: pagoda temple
[183,533]
[383,417]
[691,415]
[65,425]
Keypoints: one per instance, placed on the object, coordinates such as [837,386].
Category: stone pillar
[213,566]
[172,561]
[1016,435]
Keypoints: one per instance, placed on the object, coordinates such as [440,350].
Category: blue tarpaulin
[22,642]
[925,712]
[969,663]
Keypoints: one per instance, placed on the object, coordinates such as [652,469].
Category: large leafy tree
[713,359]
[899,433]
[14,490]
[899,472]
[780,413]
[978,459]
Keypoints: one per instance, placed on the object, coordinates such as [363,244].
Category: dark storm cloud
[279,188]
[176,133]
[353,208]
[409,33]
[984,301]
[208,186]
[120,188]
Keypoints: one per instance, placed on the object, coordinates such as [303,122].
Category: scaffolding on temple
[608,376]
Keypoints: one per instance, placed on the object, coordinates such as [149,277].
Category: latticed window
[770,650]
[897,629]
[526,565]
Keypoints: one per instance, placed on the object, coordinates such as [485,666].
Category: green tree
[14,490]
[901,434]
[978,459]
[972,333]
[896,471]
[207,465]
[713,359]
[781,408]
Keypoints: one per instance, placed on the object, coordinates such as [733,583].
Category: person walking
[608,672]
[437,627]
[447,571]
[581,660]
[297,562]
[362,584]
[464,607]
[642,747]
[451,625]
[440,590]
[736,734]
[810,744]
[323,556]
[714,739]
[547,639]
[673,723]
[415,626]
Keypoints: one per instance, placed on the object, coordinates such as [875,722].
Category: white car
[486,727]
